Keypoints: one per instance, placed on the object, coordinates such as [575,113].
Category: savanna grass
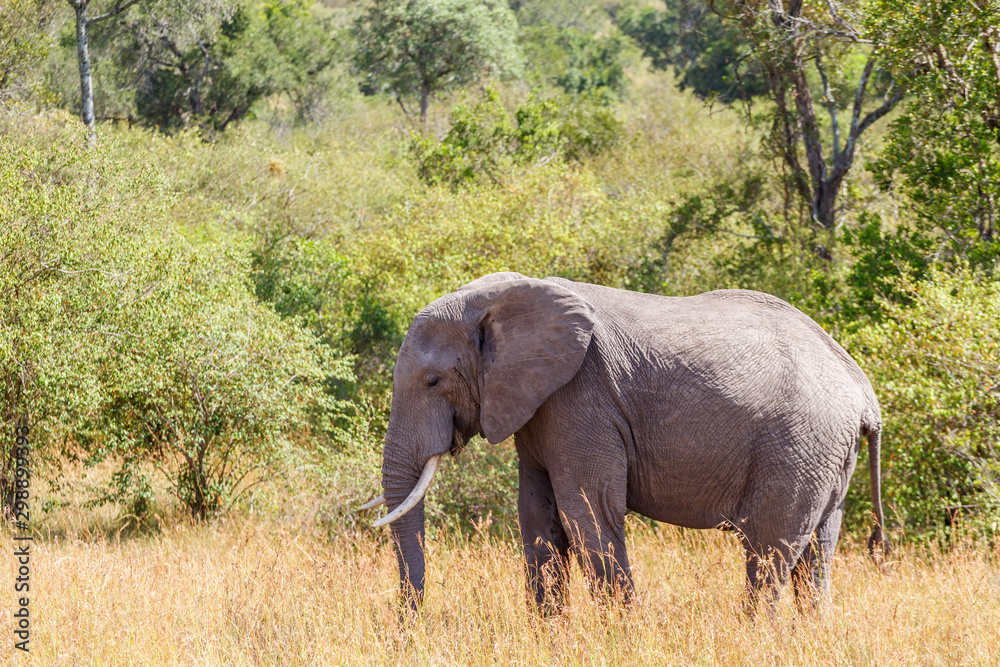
[246,592]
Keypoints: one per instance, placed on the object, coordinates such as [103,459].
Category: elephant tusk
[374,502]
[415,495]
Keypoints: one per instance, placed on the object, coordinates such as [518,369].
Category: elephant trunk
[398,481]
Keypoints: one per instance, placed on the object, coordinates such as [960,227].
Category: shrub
[314,285]
[211,391]
[121,341]
[935,366]
[23,44]
[882,258]
[578,62]
[80,251]
[486,142]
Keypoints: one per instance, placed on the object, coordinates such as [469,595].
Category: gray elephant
[730,409]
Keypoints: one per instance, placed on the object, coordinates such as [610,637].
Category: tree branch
[859,98]
[848,28]
[831,106]
[399,101]
[886,107]
[120,6]
[944,62]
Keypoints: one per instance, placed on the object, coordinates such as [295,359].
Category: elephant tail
[874,434]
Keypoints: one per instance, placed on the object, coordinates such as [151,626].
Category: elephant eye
[432,382]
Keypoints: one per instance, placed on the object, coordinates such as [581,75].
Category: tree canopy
[414,49]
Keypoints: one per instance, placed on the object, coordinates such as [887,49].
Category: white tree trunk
[86,82]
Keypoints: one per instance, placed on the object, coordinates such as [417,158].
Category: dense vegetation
[204,303]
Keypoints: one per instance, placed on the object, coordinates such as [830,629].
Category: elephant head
[479,360]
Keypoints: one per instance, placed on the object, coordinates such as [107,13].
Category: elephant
[729,409]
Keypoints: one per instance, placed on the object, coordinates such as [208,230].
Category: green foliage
[943,153]
[576,61]
[486,141]
[477,491]
[24,43]
[123,342]
[161,265]
[205,64]
[935,365]
[417,49]
[882,258]
[210,390]
[311,283]
[709,55]
[721,207]
[549,220]
[261,49]
[78,256]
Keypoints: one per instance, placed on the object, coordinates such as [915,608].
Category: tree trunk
[86,82]
[825,202]
[425,94]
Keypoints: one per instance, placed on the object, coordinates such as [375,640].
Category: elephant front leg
[600,548]
[546,546]
[593,514]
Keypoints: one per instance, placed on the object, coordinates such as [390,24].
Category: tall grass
[246,592]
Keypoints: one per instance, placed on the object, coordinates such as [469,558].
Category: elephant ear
[532,336]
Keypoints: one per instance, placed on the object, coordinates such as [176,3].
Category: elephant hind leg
[768,567]
[811,576]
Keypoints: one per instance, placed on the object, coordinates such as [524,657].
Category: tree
[83,25]
[215,76]
[710,55]
[415,48]
[789,39]
[577,61]
[944,151]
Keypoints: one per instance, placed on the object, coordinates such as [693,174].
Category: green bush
[935,366]
[122,341]
[23,44]
[578,62]
[486,142]
[80,250]
[212,389]
[882,258]
[311,283]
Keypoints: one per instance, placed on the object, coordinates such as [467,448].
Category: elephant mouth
[458,442]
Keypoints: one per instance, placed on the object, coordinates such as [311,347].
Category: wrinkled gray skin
[729,409]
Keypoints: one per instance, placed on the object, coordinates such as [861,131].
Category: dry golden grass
[243,592]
